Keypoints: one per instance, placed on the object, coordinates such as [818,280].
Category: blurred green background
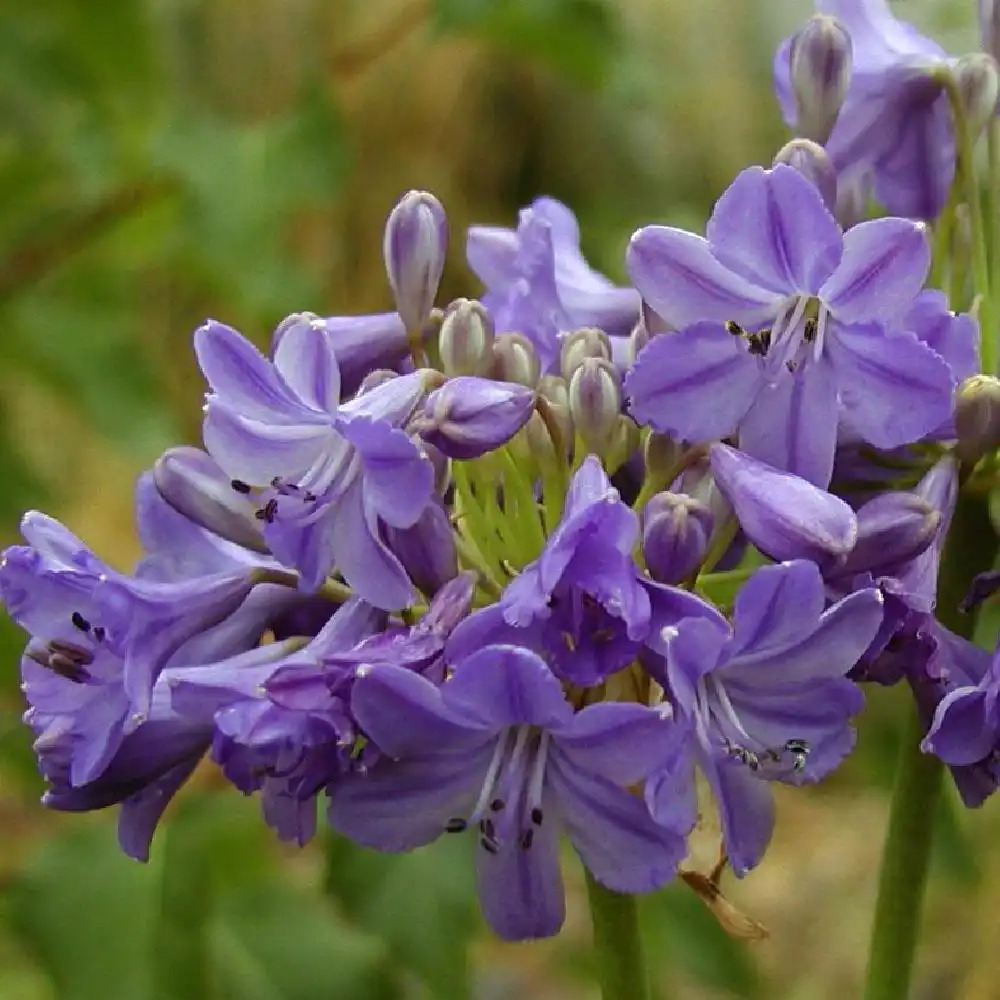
[166,160]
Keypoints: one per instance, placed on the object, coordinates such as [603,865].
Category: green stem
[621,968]
[906,854]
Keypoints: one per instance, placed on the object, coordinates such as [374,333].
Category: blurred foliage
[166,160]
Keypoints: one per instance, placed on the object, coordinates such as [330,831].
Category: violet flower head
[581,604]
[786,328]
[766,698]
[539,283]
[497,749]
[895,121]
[326,474]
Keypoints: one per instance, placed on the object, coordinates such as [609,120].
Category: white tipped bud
[586,343]
[810,159]
[820,63]
[977,417]
[595,402]
[414,247]
[466,338]
[516,360]
[978,83]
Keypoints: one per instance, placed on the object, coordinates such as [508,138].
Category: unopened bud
[191,482]
[820,64]
[376,378]
[595,402]
[978,84]
[414,247]
[893,528]
[466,338]
[426,549]
[977,417]
[637,340]
[468,416]
[811,160]
[586,343]
[661,454]
[515,359]
[675,534]
[853,196]
[989,26]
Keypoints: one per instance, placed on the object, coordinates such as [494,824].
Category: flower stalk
[621,968]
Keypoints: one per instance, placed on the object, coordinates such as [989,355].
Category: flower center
[798,333]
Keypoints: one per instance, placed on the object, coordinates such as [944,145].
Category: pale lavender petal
[954,337]
[620,843]
[878,36]
[305,357]
[521,891]
[893,388]
[697,384]
[619,742]
[964,730]
[884,267]
[140,813]
[392,401]
[506,686]
[792,425]
[692,648]
[492,254]
[244,378]
[772,228]
[405,715]
[399,805]
[677,274]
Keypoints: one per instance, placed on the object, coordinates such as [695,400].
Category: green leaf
[422,904]
[579,38]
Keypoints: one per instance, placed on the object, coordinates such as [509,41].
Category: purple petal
[697,384]
[793,423]
[955,338]
[306,359]
[878,36]
[893,389]
[964,730]
[677,274]
[506,686]
[243,377]
[492,254]
[405,715]
[399,805]
[361,344]
[884,266]
[140,813]
[521,890]
[692,649]
[621,844]
[620,743]
[772,228]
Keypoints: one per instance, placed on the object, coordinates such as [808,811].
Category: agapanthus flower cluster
[527,565]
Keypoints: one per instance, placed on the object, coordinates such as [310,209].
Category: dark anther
[735,329]
[490,846]
[65,667]
[75,654]
[267,512]
[240,486]
[759,343]
[497,804]
[99,633]
[527,838]
[487,828]
[308,497]
[537,816]
[796,746]
[791,366]
[79,621]
[456,825]
[809,331]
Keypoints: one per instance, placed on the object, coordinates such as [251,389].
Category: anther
[456,825]
[735,329]
[267,512]
[490,846]
[537,816]
[65,667]
[497,804]
[759,343]
[79,621]
[487,829]
[527,838]
[99,632]
[75,654]
[809,331]
[240,486]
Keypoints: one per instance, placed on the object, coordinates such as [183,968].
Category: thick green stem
[906,854]
[621,968]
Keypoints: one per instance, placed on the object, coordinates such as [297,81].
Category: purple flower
[327,474]
[498,749]
[766,698]
[895,121]
[581,604]
[539,283]
[784,325]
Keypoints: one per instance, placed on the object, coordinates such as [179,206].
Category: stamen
[75,654]
[240,486]
[537,816]
[490,846]
[497,804]
[809,331]
[99,633]
[735,329]
[492,773]
[268,511]
[456,825]
[527,838]
[79,621]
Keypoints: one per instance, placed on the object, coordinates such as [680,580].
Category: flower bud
[468,416]
[515,359]
[586,343]
[977,417]
[978,84]
[784,516]
[989,26]
[189,480]
[893,528]
[414,247]
[426,549]
[637,340]
[853,196]
[661,454]
[376,378]
[820,64]
[811,160]
[466,338]
[595,402]
[675,534]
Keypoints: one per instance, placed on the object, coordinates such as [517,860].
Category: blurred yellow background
[166,160]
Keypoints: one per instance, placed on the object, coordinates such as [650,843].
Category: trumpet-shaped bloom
[786,328]
[327,475]
[497,749]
